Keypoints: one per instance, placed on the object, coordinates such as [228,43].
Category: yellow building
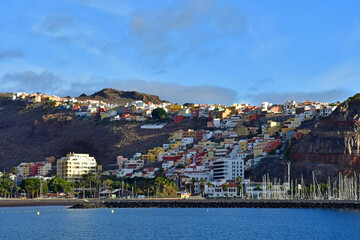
[175,145]
[176,135]
[153,154]
[175,107]
[37,98]
[242,145]
[242,131]
[26,170]
[292,123]
[259,148]
[148,157]
[189,133]
[74,165]
[205,143]
[272,127]
[304,131]
[225,113]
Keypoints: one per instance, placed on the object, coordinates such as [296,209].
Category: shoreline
[182,203]
[178,203]
[12,202]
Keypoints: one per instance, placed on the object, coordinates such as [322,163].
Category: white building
[74,165]
[228,168]
[44,168]
[134,164]
[186,141]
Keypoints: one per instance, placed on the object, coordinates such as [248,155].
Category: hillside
[110,95]
[32,133]
[333,145]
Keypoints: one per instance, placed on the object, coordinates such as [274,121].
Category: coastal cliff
[333,145]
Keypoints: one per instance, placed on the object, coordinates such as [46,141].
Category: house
[175,107]
[178,119]
[225,190]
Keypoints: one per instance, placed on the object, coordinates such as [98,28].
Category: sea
[59,222]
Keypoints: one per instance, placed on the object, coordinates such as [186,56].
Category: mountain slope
[32,133]
[333,146]
[120,97]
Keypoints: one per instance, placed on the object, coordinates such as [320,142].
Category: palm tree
[193,181]
[209,184]
[202,186]
[108,184]
[89,178]
[83,184]
[97,182]
[239,179]
[225,187]
[239,188]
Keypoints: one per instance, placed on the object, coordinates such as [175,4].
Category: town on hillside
[209,162]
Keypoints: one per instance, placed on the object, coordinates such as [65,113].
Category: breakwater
[320,204]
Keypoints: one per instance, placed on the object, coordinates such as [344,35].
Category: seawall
[320,204]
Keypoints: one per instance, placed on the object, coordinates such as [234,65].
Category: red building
[171,158]
[178,119]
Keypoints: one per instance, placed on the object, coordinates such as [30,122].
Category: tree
[89,178]
[97,183]
[239,189]
[202,186]
[209,184]
[257,188]
[158,113]
[65,186]
[14,170]
[108,184]
[83,185]
[57,184]
[225,187]
[168,191]
[31,186]
[7,183]
[54,185]
[239,179]
[193,181]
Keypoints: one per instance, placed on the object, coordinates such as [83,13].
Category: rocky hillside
[120,97]
[32,133]
[333,145]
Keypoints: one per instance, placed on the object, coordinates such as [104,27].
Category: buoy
[207,210]
[112,211]
[38,213]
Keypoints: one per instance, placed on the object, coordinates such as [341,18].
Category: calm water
[57,222]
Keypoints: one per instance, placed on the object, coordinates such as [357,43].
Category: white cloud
[30,81]
[187,29]
[275,97]
[49,82]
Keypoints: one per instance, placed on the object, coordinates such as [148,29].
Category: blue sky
[202,51]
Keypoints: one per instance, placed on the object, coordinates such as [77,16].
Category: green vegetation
[6,185]
[159,113]
[356,97]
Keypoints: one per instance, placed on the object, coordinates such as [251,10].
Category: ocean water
[58,222]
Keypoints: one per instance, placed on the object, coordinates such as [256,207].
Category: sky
[200,51]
